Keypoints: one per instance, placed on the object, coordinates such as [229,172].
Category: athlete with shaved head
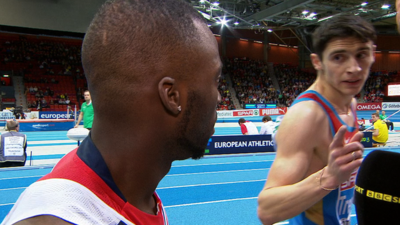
[153,70]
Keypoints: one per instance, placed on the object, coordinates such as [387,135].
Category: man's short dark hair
[266,118]
[130,42]
[342,26]
[242,120]
[375,114]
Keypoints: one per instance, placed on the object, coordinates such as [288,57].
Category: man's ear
[316,61]
[169,95]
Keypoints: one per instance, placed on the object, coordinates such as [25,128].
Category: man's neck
[338,100]
[136,175]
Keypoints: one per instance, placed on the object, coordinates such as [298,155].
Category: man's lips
[352,82]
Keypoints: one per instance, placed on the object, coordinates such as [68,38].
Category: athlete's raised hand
[344,158]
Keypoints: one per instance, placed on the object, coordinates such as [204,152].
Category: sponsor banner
[369,106]
[390,105]
[259,106]
[32,115]
[250,112]
[239,144]
[6,115]
[46,126]
[236,144]
[54,115]
[224,113]
[276,111]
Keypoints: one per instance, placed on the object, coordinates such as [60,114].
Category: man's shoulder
[249,122]
[8,133]
[67,195]
[381,122]
[301,118]
[305,110]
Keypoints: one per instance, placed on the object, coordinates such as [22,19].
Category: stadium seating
[51,63]
[47,63]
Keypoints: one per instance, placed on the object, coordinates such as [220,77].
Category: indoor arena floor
[213,190]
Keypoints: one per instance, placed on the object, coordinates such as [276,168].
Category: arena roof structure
[291,14]
[285,19]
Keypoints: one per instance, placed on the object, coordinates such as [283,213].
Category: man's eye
[361,55]
[337,57]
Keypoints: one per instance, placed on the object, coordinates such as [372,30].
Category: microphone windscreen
[377,192]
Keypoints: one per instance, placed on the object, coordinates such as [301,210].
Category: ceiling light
[223,22]
[216,3]
[269,30]
[364,3]
[385,6]
[312,14]
[305,12]
[236,23]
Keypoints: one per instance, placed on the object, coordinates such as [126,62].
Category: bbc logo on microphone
[378,195]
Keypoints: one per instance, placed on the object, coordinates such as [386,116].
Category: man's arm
[26,143]
[285,195]
[375,132]
[79,119]
[288,190]
[243,128]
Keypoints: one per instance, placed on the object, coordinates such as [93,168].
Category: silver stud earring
[179,108]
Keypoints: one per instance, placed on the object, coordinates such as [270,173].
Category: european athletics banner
[46,125]
[54,115]
[234,144]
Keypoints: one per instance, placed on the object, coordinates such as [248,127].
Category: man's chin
[197,157]
[198,154]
